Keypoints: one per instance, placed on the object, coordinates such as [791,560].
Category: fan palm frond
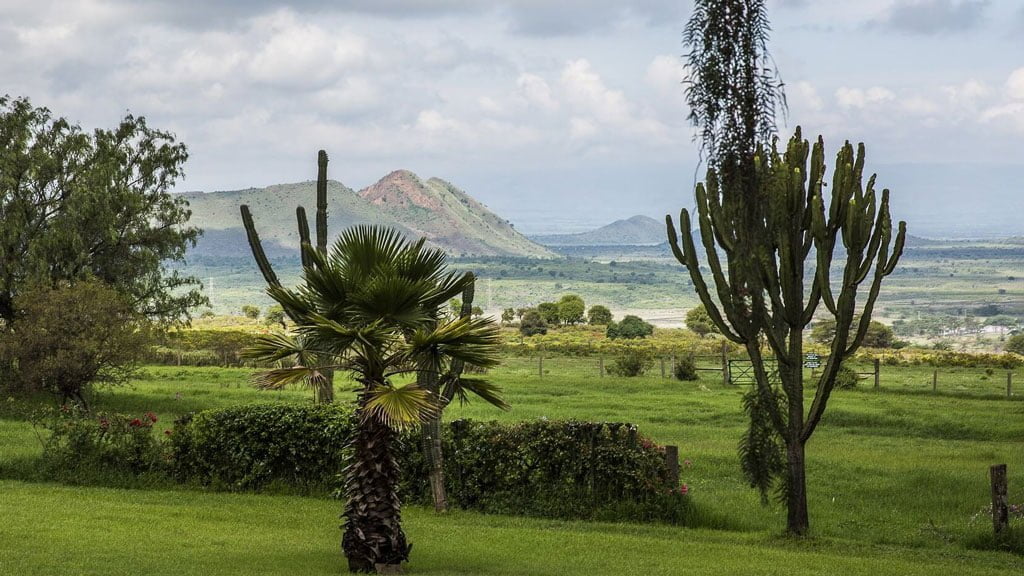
[457,387]
[399,407]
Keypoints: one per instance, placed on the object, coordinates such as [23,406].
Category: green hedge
[253,447]
[558,469]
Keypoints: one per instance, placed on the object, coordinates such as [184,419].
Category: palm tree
[369,307]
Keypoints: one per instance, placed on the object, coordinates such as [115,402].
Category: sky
[559,115]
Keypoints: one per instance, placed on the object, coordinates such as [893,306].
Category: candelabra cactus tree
[323,387]
[770,287]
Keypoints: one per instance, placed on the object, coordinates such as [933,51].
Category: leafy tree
[549,311]
[878,335]
[477,311]
[275,315]
[532,323]
[699,322]
[454,307]
[765,211]
[630,327]
[370,307]
[508,315]
[599,315]
[76,205]
[69,338]
[1015,344]
[520,312]
[250,311]
[571,309]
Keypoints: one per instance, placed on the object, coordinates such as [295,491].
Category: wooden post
[1000,511]
[540,365]
[878,373]
[662,366]
[1009,384]
[672,463]
[725,363]
[601,365]
[935,380]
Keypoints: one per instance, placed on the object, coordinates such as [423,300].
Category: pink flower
[687,463]
[135,423]
[684,489]
[151,416]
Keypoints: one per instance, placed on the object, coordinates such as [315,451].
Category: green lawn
[894,477]
[50,529]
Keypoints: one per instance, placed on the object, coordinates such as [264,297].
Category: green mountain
[635,231]
[448,217]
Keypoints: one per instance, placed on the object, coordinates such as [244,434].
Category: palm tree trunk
[372,530]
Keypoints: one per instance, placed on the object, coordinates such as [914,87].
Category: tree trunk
[372,529]
[324,392]
[797,523]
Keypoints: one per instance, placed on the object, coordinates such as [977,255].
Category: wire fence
[737,372]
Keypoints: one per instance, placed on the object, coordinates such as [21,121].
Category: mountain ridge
[446,216]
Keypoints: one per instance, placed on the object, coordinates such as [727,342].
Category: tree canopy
[76,205]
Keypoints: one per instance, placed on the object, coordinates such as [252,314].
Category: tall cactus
[324,388]
[763,303]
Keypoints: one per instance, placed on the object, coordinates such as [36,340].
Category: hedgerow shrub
[544,468]
[564,469]
[251,447]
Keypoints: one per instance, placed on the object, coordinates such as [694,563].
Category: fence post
[662,366]
[935,380]
[1009,384]
[600,365]
[1000,513]
[878,373]
[672,463]
[725,363]
[540,365]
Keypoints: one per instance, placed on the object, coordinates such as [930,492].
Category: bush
[82,445]
[846,378]
[685,369]
[633,362]
[250,447]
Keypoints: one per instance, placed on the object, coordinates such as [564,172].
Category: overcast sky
[570,108]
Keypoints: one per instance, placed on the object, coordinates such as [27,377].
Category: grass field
[894,478]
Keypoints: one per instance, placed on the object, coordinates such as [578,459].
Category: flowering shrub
[80,443]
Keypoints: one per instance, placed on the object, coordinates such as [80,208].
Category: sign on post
[812,361]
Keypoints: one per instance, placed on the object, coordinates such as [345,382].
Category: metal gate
[741,372]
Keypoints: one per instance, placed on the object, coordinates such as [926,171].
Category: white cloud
[848,98]
[1015,84]
[804,96]
[536,91]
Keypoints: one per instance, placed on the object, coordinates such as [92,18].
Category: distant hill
[635,231]
[448,217]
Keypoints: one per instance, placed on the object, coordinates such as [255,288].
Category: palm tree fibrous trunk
[372,530]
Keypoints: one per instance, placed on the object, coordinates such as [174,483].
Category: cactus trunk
[767,234]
